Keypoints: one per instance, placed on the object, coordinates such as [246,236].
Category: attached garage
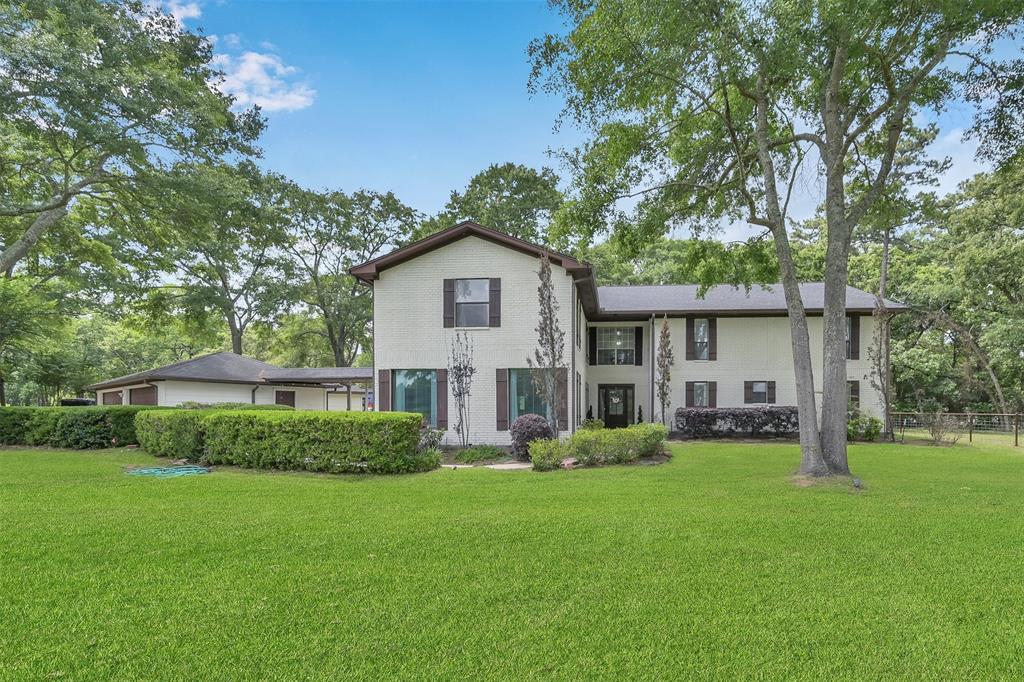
[142,396]
[112,398]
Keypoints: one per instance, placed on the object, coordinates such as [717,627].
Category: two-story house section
[731,346]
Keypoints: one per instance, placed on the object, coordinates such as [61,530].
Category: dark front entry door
[616,404]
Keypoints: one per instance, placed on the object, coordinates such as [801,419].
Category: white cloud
[180,10]
[232,40]
[264,80]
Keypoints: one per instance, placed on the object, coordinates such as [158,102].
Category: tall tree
[666,358]
[549,356]
[98,99]
[28,318]
[708,114]
[224,235]
[331,232]
[509,197]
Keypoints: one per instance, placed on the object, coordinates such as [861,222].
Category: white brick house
[731,348]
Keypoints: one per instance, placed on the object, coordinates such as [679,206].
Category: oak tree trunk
[20,248]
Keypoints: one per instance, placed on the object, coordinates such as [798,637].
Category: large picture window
[415,390]
[616,345]
[472,302]
[701,344]
[522,395]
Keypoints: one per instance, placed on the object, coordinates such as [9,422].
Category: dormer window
[472,302]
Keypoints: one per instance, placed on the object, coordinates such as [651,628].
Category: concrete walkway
[510,466]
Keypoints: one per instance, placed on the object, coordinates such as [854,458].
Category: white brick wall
[409,330]
[759,348]
[409,333]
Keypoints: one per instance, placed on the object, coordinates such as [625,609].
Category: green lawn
[714,565]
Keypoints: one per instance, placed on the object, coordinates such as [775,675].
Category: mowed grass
[714,565]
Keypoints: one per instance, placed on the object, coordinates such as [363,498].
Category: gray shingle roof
[723,298]
[318,374]
[220,367]
[227,367]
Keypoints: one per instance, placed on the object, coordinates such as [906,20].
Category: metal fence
[972,427]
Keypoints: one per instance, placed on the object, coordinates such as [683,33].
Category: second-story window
[616,345]
[701,344]
[472,308]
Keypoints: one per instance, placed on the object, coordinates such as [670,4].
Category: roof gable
[370,270]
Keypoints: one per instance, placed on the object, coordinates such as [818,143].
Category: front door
[616,402]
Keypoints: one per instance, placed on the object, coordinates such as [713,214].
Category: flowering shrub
[708,422]
[526,429]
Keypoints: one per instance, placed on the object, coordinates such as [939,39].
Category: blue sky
[415,97]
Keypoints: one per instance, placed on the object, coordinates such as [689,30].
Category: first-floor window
[854,388]
[579,386]
[700,394]
[522,395]
[415,390]
[760,391]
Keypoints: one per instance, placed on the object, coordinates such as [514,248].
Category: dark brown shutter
[712,394]
[563,398]
[771,391]
[854,337]
[689,394]
[712,339]
[384,390]
[855,392]
[748,391]
[449,303]
[495,302]
[638,345]
[501,399]
[442,399]
[592,345]
[691,351]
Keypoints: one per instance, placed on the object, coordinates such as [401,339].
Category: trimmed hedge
[709,422]
[86,428]
[172,433]
[596,447]
[80,428]
[334,442]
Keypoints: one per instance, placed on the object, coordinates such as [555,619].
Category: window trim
[513,384]
[432,419]
[620,333]
[486,302]
[707,393]
[707,338]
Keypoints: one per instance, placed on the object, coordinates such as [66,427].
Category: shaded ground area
[713,565]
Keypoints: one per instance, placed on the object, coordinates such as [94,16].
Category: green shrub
[336,442]
[547,454]
[13,423]
[172,433]
[81,428]
[41,427]
[596,447]
[863,427]
[193,405]
[589,424]
[479,453]
[526,429]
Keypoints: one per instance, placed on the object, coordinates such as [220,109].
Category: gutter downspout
[253,398]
